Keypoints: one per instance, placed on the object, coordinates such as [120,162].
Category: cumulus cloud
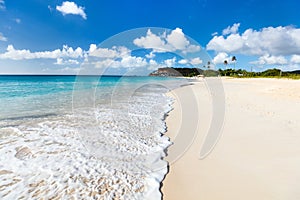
[153,65]
[177,39]
[151,40]
[59,61]
[170,62]
[192,61]
[104,63]
[233,43]
[270,60]
[114,57]
[25,54]
[174,41]
[132,61]
[114,52]
[221,57]
[196,61]
[125,62]
[267,41]
[69,7]
[183,61]
[2,38]
[231,29]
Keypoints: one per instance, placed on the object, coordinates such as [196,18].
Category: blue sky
[55,37]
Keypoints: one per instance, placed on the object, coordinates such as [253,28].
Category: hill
[168,71]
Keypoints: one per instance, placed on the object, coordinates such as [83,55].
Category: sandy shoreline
[257,156]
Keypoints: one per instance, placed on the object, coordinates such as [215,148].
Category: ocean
[83,137]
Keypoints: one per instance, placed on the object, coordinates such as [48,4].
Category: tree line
[267,73]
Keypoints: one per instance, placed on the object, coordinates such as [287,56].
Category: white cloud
[150,41]
[231,29]
[103,52]
[104,63]
[170,62]
[69,7]
[23,54]
[68,55]
[271,60]
[295,59]
[191,48]
[93,47]
[174,41]
[150,55]
[233,43]
[125,62]
[268,41]
[196,61]
[193,61]
[2,5]
[214,34]
[221,57]
[183,61]
[177,39]
[114,57]
[133,62]
[2,38]
[114,52]
[60,61]
[153,65]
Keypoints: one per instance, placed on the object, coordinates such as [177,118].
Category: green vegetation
[239,73]
[269,73]
[210,73]
[188,72]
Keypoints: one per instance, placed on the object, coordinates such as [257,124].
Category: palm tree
[233,59]
[208,64]
[225,63]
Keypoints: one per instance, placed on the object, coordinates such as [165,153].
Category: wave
[113,150]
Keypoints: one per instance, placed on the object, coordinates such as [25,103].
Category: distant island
[192,72]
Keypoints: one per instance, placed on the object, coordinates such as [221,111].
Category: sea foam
[111,151]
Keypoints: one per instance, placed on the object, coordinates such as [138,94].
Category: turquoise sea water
[84,134]
[37,95]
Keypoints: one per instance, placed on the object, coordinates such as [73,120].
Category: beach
[257,155]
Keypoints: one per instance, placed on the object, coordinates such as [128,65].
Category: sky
[63,37]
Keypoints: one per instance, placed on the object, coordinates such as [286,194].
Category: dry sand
[258,154]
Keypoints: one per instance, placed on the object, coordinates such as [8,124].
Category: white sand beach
[258,154]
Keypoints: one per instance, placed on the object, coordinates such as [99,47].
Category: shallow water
[83,137]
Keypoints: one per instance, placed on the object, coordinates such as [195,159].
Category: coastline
[257,155]
[103,150]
